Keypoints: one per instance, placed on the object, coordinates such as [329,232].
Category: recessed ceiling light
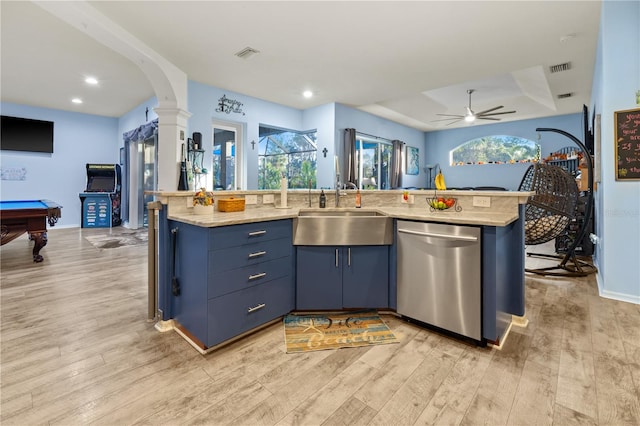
[76,100]
[307,93]
[91,80]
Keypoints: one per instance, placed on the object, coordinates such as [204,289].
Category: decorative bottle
[358,199]
[323,200]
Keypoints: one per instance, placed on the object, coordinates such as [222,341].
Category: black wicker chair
[548,213]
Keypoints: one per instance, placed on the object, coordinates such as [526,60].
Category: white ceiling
[405,61]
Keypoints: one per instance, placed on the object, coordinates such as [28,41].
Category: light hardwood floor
[76,348]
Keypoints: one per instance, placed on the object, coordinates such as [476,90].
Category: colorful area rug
[316,332]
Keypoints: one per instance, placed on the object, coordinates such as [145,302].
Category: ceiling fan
[472,116]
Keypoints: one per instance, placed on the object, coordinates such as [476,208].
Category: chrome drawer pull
[255,308]
[256,276]
[254,233]
[256,254]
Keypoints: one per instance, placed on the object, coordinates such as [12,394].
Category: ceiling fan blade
[451,115]
[487,118]
[454,122]
[489,110]
[498,113]
[445,119]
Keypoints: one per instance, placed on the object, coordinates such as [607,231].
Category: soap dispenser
[323,200]
[358,199]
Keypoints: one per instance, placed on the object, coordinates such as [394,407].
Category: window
[373,160]
[286,152]
[498,149]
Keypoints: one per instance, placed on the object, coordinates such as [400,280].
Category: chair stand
[570,266]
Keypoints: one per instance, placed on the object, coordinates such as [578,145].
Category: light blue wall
[78,139]
[323,119]
[617,77]
[136,117]
[203,101]
[330,120]
[440,143]
[368,123]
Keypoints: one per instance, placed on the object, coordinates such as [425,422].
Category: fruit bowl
[443,203]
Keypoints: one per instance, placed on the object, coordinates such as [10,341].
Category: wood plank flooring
[76,349]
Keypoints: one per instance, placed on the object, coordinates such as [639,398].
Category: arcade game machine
[101,199]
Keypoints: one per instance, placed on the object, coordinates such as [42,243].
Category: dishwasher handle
[442,236]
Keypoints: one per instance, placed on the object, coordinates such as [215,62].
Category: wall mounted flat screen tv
[25,134]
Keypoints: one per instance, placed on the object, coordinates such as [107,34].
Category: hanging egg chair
[548,212]
[551,208]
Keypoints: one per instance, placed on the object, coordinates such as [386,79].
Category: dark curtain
[395,177]
[348,170]
[141,133]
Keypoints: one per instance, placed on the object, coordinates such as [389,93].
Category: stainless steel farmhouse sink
[342,228]
[340,213]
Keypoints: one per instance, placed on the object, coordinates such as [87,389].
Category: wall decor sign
[13,173]
[413,160]
[626,126]
[229,105]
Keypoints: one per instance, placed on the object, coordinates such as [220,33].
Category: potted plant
[203,202]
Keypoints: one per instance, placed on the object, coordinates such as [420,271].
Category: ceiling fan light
[470,118]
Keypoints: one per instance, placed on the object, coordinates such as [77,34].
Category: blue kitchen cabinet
[232,278]
[342,277]
[318,278]
[365,277]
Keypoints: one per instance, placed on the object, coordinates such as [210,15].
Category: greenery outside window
[497,149]
[373,160]
[290,153]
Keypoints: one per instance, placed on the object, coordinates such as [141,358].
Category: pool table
[18,217]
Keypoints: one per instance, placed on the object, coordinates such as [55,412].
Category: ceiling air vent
[565,95]
[560,67]
[247,52]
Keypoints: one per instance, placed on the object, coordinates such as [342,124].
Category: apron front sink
[342,228]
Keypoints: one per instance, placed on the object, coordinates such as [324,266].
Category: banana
[439,181]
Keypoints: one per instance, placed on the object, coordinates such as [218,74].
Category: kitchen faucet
[339,185]
[338,193]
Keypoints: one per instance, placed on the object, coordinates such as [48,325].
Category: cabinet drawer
[243,310]
[241,278]
[249,254]
[237,235]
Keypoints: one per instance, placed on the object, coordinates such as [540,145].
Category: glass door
[372,162]
[224,158]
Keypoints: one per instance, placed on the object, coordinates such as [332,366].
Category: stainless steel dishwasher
[439,276]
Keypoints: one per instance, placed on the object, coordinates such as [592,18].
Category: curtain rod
[373,136]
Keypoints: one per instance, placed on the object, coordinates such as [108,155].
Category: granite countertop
[262,214]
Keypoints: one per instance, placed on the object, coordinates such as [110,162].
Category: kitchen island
[237,271]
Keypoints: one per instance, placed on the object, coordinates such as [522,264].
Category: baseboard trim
[502,340]
[205,350]
[622,297]
[164,326]
[520,321]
